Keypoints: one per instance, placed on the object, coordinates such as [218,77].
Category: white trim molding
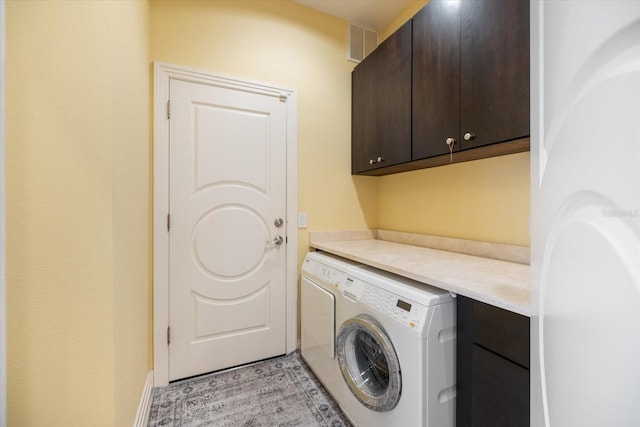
[163,74]
[144,408]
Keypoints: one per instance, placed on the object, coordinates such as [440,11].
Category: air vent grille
[362,41]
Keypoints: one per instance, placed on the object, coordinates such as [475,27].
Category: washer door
[369,363]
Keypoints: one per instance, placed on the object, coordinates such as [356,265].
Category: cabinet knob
[469,136]
[380,159]
[372,162]
[450,142]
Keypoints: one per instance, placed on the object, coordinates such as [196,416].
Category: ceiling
[372,14]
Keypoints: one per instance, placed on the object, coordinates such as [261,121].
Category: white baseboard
[142,417]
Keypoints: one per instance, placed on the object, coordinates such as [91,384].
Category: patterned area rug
[276,392]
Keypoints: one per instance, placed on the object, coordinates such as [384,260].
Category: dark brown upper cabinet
[494,68]
[381,105]
[469,89]
[470,75]
[436,79]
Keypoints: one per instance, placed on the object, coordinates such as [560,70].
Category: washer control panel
[404,311]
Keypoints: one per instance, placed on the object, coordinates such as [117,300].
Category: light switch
[302,220]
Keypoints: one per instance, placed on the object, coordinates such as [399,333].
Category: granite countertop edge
[499,283]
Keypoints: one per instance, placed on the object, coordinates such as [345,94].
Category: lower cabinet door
[500,392]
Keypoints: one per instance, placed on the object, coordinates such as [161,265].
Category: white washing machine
[323,277]
[396,351]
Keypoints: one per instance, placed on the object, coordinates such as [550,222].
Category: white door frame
[163,73]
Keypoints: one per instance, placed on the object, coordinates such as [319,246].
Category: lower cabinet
[492,366]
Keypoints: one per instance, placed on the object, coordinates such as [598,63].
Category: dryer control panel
[404,311]
[327,275]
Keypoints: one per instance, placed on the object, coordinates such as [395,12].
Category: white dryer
[323,277]
[396,351]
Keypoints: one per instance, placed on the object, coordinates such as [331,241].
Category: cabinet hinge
[168,109]
[168,335]
[168,222]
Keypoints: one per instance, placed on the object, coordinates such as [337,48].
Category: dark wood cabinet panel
[436,79]
[500,395]
[381,110]
[492,388]
[464,361]
[494,63]
[502,332]
[364,89]
[394,102]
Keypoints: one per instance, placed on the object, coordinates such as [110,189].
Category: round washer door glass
[369,363]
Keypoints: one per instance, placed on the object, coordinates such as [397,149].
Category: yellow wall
[287,44]
[481,200]
[77,211]
[131,205]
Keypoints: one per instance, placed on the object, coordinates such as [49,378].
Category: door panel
[364,130]
[494,63]
[436,79]
[394,98]
[318,321]
[381,99]
[500,394]
[227,186]
[586,214]
[235,147]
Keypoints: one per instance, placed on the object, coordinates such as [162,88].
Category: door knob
[277,241]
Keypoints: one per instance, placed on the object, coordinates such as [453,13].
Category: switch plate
[302,220]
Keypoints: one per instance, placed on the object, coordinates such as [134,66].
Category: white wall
[585,213]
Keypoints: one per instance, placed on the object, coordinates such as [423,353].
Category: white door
[227,203]
[586,213]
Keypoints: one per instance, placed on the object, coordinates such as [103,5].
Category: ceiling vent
[362,41]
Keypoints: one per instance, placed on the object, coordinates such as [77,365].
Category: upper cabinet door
[494,64]
[364,138]
[394,98]
[436,79]
[381,105]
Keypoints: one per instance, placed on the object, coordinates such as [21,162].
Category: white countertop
[503,284]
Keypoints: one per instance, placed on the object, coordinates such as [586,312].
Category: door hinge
[283,98]
[286,239]
[168,222]
[168,335]
[168,109]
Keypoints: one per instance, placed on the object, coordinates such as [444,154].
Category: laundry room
[329,254]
